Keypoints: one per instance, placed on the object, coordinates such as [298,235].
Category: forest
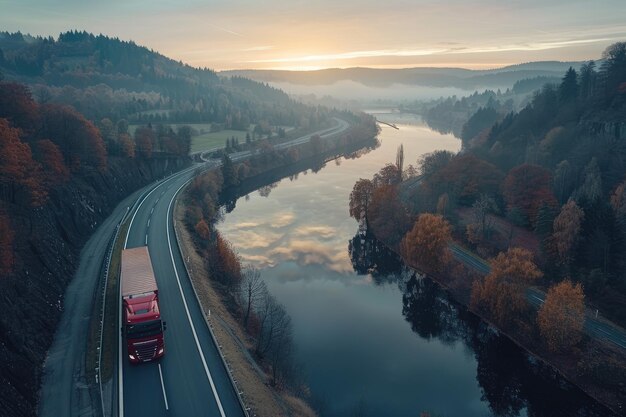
[110,78]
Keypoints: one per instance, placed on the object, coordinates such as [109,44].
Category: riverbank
[590,365]
[253,381]
[217,279]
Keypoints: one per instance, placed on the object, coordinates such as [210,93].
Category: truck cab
[143,327]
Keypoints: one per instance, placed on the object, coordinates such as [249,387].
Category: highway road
[190,379]
[597,328]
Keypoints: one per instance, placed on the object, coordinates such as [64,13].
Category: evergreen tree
[568,90]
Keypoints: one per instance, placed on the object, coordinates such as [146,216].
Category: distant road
[598,328]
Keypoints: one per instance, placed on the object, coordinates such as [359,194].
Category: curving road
[597,328]
[190,380]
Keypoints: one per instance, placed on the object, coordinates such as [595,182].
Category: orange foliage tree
[566,230]
[387,216]
[360,198]
[502,292]
[202,230]
[127,145]
[18,170]
[527,187]
[52,159]
[562,315]
[144,139]
[465,178]
[426,245]
[77,138]
[18,106]
[388,175]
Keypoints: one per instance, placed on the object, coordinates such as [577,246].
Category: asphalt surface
[598,328]
[185,378]
[64,390]
[190,379]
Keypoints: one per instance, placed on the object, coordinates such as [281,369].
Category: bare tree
[251,291]
[482,207]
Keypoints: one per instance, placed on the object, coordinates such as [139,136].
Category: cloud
[308,252]
[249,239]
[325,232]
[282,220]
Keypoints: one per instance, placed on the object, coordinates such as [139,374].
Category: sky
[315,34]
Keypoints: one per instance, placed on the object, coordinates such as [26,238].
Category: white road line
[146,239]
[193,329]
[120,369]
[152,210]
[149,222]
[163,388]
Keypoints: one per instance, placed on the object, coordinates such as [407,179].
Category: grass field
[205,139]
[212,140]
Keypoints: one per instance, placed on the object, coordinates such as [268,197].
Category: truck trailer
[143,326]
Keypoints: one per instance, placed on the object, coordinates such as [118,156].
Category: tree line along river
[372,338]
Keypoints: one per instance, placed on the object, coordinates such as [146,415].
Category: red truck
[143,327]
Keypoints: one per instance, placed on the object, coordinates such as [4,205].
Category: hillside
[68,156]
[108,77]
[427,77]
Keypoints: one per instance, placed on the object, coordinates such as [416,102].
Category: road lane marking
[120,369]
[163,388]
[157,185]
[146,239]
[180,288]
[149,222]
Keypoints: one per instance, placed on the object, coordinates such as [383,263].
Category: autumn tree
[52,159]
[127,146]
[144,141]
[502,292]
[388,175]
[7,254]
[18,171]
[465,178]
[77,138]
[431,163]
[18,106]
[360,198]
[387,215]
[426,245]
[527,187]
[567,230]
[202,230]
[224,263]
[562,316]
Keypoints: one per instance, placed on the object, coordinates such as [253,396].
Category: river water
[373,340]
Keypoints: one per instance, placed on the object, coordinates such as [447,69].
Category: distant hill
[116,79]
[427,77]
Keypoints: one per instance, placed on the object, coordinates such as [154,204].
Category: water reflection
[512,382]
[369,256]
[374,339]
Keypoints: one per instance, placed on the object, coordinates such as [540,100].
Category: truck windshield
[150,328]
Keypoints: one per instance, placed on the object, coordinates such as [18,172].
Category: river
[381,342]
